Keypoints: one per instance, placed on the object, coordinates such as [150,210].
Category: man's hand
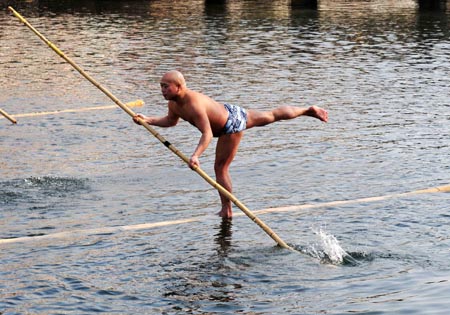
[137,118]
[194,162]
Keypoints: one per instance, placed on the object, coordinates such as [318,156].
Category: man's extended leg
[257,118]
[227,147]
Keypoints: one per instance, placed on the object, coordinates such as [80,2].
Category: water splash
[331,247]
[329,251]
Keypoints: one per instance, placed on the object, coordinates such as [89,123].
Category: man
[225,121]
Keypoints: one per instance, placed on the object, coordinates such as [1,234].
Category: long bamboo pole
[205,176]
[137,103]
[11,119]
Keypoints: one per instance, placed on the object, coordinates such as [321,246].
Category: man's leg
[257,118]
[227,147]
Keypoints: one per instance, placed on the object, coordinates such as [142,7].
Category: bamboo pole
[151,225]
[11,119]
[136,103]
[199,171]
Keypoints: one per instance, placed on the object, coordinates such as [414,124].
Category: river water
[97,216]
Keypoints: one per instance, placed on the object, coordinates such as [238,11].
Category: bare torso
[196,105]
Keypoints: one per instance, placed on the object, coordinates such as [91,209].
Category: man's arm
[169,120]
[202,123]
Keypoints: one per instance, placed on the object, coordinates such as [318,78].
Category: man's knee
[221,166]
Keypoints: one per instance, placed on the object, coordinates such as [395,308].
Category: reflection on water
[223,238]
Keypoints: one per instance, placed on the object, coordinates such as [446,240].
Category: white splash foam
[331,248]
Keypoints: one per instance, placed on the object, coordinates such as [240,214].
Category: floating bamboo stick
[11,119]
[151,225]
[136,103]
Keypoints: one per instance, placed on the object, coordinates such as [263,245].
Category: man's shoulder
[195,95]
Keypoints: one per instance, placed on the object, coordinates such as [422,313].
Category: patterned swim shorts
[237,119]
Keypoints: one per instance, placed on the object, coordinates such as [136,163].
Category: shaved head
[174,76]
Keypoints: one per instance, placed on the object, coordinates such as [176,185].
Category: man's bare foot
[318,113]
[225,213]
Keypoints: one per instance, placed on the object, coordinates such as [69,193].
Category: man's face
[168,89]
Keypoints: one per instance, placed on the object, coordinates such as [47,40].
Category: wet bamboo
[11,119]
[199,171]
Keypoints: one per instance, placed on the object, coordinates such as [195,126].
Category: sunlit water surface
[72,181]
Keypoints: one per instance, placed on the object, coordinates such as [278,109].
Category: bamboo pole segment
[11,119]
[199,171]
[438,189]
[137,103]
[76,234]
[145,226]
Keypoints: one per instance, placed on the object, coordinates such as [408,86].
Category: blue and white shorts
[237,119]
